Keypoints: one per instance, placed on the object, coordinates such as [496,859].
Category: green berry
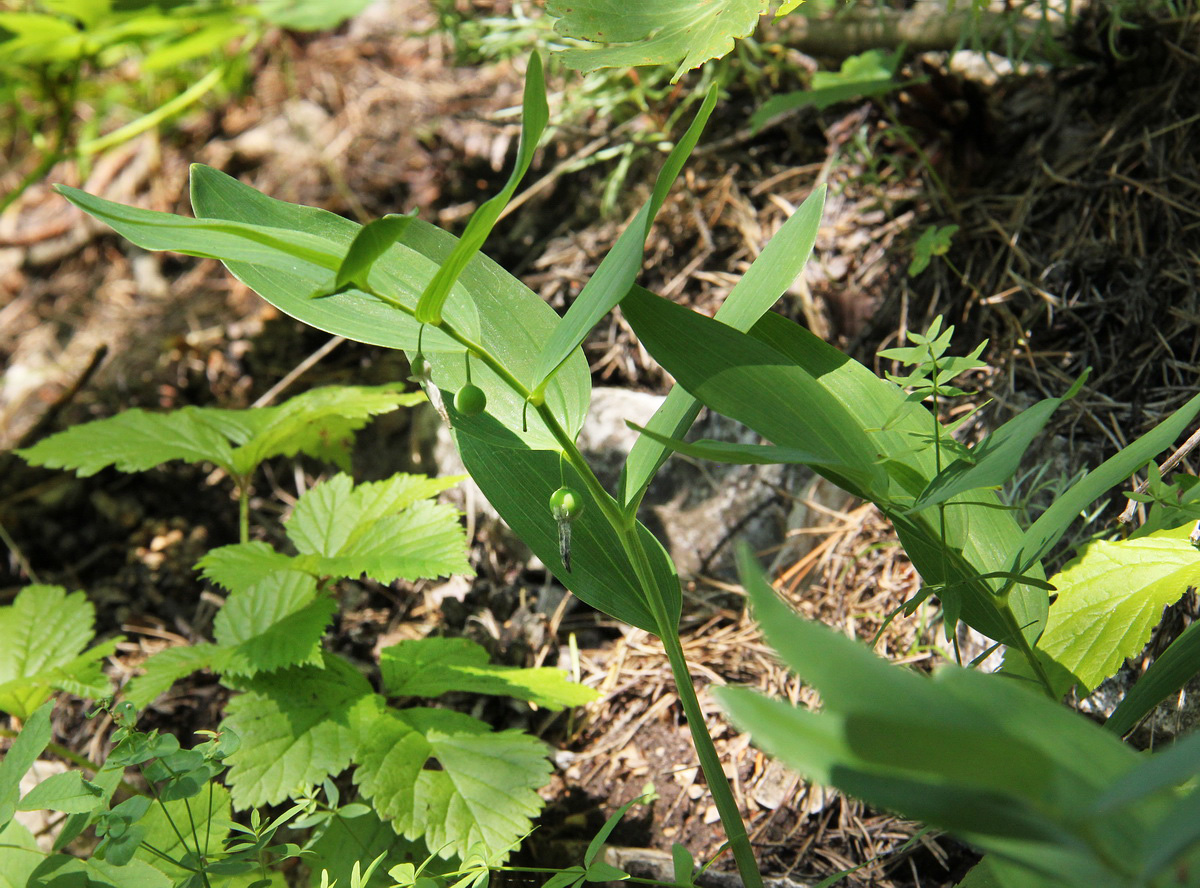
[470,400]
[566,504]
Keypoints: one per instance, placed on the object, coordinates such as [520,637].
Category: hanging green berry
[470,400]
[565,505]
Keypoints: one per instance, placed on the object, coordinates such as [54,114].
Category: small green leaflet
[44,634]
[654,32]
[276,623]
[934,241]
[1110,598]
[483,794]
[387,530]
[165,668]
[320,423]
[429,667]
[296,730]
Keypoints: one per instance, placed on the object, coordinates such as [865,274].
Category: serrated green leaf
[24,751]
[345,530]
[276,623]
[333,516]
[430,667]
[163,669]
[320,423]
[1110,598]
[68,792]
[1169,672]
[44,631]
[132,441]
[655,32]
[295,726]
[483,793]
[242,565]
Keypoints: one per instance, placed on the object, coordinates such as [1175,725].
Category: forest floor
[1076,190]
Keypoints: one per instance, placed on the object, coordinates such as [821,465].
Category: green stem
[243,495]
[626,527]
[710,762]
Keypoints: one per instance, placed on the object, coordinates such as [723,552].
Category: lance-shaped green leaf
[1109,598]
[535,113]
[486,296]
[518,483]
[1169,672]
[720,366]
[655,32]
[995,459]
[767,278]
[68,792]
[321,423]
[45,631]
[296,729]
[430,667]
[620,267]
[736,454]
[481,792]
[372,241]
[292,250]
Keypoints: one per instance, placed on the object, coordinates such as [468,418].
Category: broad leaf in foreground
[295,727]
[429,667]
[654,32]
[44,633]
[480,795]
[1003,768]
